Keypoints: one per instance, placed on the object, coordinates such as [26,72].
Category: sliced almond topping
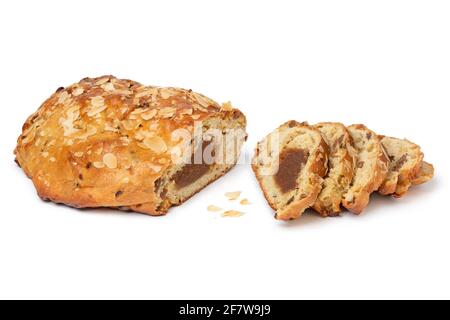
[167,112]
[45,154]
[245,202]
[227,106]
[233,195]
[196,116]
[148,114]
[110,161]
[52,159]
[167,93]
[63,97]
[156,144]
[79,154]
[102,81]
[130,124]
[99,165]
[214,208]
[232,214]
[77,92]
[97,106]
[108,86]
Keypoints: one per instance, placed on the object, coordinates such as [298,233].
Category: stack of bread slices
[328,167]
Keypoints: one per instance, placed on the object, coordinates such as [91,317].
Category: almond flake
[52,159]
[45,154]
[212,208]
[227,106]
[156,144]
[148,114]
[232,214]
[63,97]
[245,202]
[110,161]
[130,124]
[233,195]
[196,116]
[79,154]
[77,92]
[99,165]
[108,86]
[102,81]
[167,112]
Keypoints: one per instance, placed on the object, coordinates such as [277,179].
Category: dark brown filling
[192,172]
[291,163]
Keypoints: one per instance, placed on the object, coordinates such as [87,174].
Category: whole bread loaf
[106,142]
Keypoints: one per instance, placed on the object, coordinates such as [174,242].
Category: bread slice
[289,165]
[341,166]
[425,174]
[371,168]
[405,163]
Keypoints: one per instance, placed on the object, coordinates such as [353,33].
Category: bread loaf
[106,142]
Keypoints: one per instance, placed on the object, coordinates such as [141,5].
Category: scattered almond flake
[233,195]
[97,106]
[232,214]
[203,101]
[90,131]
[245,202]
[156,144]
[110,160]
[130,124]
[102,81]
[110,128]
[126,180]
[79,154]
[52,159]
[167,112]
[108,86]
[149,114]
[77,92]
[227,106]
[68,142]
[42,133]
[63,97]
[195,116]
[167,93]
[214,208]
[99,165]
[125,141]
[186,111]
[45,154]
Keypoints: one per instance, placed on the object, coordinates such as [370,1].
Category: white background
[382,63]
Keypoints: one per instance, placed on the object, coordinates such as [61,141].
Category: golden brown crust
[357,199]
[425,174]
[104,142]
